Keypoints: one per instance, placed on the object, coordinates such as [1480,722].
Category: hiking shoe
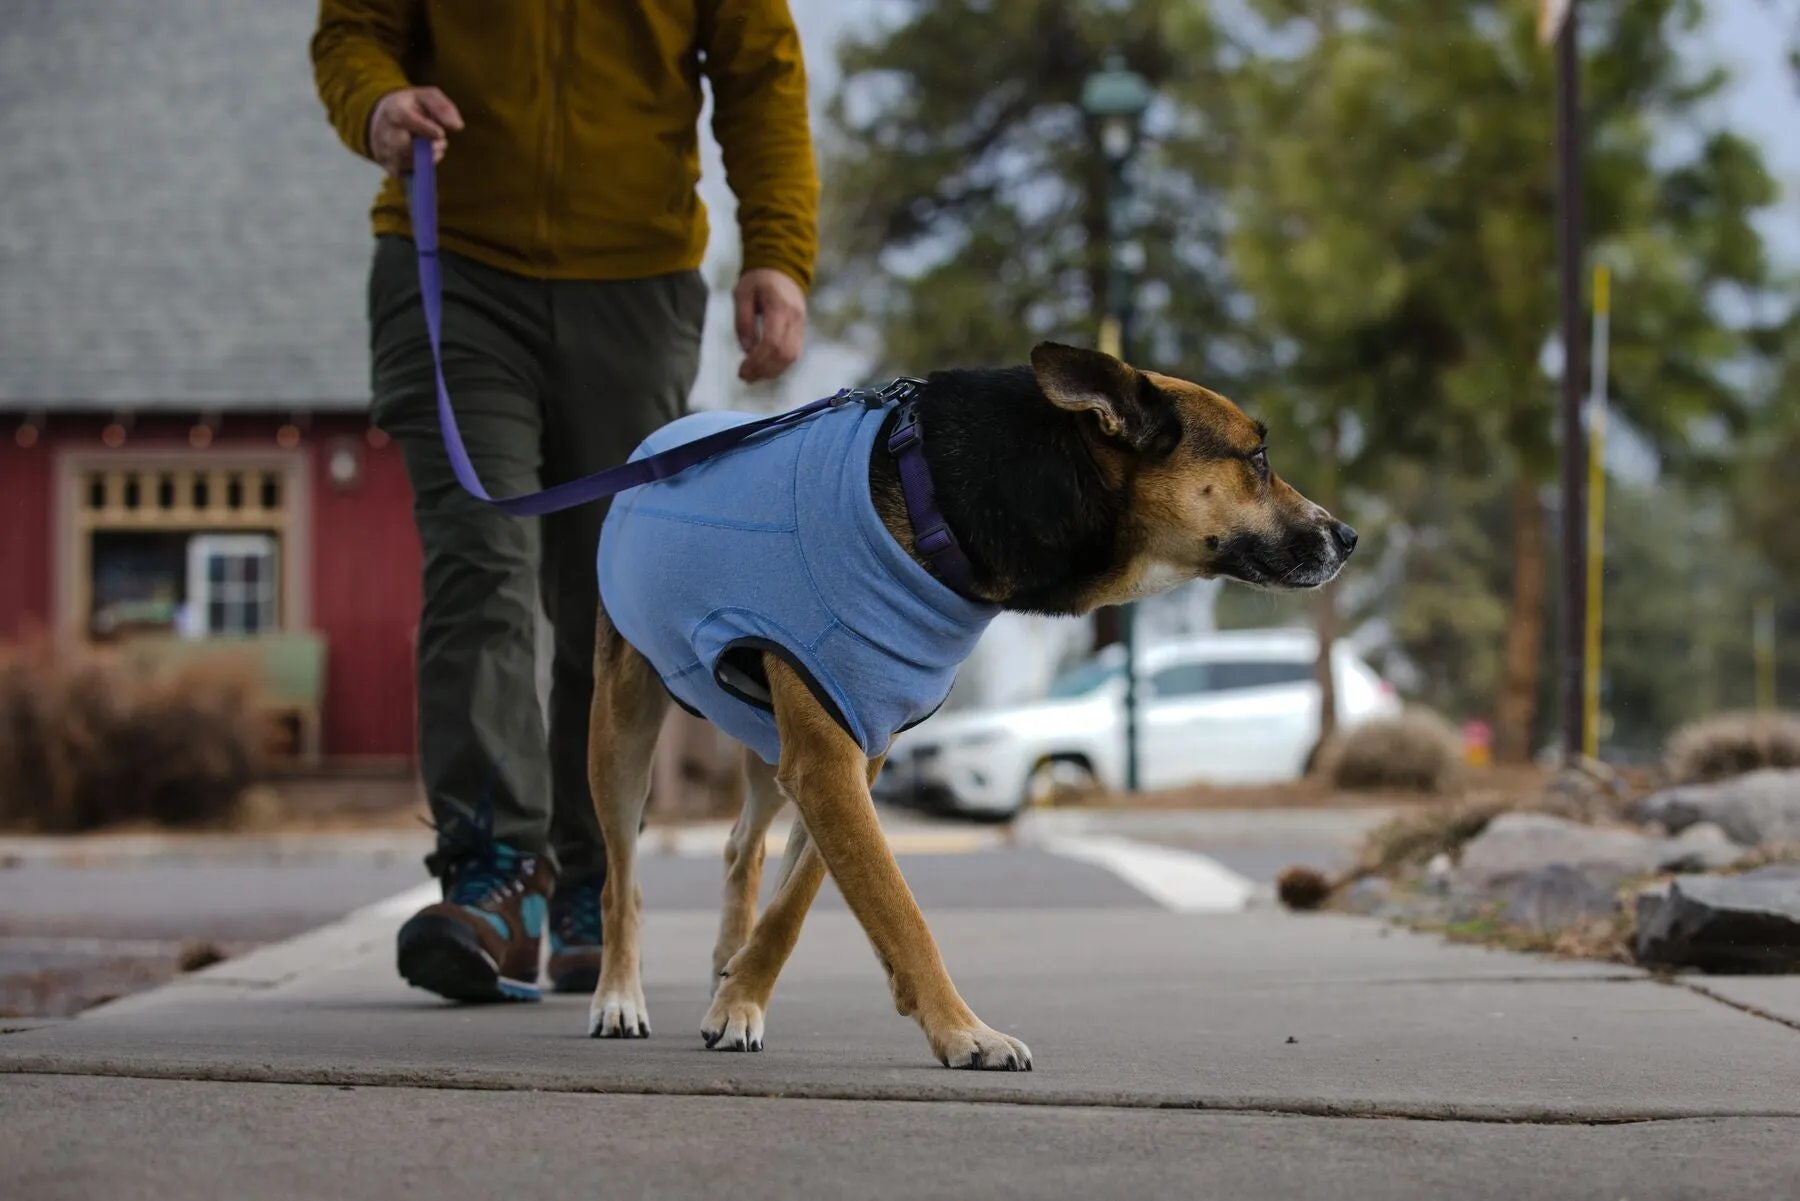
[575,935]
[482,941]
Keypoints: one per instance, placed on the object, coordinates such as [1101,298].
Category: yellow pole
[1596,515]
[1764,634]
[1109,336]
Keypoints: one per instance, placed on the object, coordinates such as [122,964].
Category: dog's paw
[732,1024]
[619,1014]
[981,1048]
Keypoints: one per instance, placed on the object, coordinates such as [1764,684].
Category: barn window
[231,584]
[188,548]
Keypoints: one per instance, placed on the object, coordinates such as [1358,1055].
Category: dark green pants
[551,380]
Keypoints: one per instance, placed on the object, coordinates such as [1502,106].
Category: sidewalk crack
[1732,1003]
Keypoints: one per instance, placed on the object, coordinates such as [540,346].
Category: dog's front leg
[628,709]
[825,773]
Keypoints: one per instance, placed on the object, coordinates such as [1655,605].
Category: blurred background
[1340,213]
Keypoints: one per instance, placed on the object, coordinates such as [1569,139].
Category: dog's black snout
[1345,537]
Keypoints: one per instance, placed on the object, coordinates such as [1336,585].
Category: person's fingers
[782,330]
[768,359]
[759,364]
[434,104]
[782,314]
[410,116]
[745,300]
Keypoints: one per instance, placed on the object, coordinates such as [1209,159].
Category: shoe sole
[441,956]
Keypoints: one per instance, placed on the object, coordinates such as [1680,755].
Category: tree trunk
[1516,713]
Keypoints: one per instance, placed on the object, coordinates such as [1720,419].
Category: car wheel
[1055,781]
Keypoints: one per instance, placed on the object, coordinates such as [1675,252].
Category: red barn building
[184,446]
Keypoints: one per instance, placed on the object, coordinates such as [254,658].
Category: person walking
[572,234]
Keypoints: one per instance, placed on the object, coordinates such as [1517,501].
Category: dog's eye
[1260,461]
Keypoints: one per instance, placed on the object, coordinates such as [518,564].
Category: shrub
[92,738]
[1418,751]
[1731,744]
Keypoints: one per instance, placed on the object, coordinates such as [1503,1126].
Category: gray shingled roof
[178,224]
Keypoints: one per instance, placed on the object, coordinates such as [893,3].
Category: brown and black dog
[1073,483]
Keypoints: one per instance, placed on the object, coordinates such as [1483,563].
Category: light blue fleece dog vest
[775,546]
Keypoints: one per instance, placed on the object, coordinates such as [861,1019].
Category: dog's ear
[1092,381]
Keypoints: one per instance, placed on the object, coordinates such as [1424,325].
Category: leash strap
[422,200]
[931,533]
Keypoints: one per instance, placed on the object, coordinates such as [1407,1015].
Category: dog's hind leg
[747,980]
[744,861]
[628,710]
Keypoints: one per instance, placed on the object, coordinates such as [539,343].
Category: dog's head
[1203,500]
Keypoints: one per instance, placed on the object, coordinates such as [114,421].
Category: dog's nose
[1345,537]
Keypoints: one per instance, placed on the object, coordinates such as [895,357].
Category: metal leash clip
[876,397]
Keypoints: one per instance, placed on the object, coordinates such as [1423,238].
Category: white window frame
[263,596]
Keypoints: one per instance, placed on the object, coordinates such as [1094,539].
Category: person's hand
[424,112]
[771,322]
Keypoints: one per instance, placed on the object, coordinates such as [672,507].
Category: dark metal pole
[1574,438]
[1119,302]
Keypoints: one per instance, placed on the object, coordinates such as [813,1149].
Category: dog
[784,591]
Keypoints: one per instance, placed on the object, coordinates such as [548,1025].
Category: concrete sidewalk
[1178,1055]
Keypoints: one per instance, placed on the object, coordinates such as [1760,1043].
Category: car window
[1184,679]
[1082,680]
[1258,673]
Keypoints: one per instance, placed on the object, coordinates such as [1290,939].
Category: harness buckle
[876,397]
[900,389]
[934,541]
[905,434]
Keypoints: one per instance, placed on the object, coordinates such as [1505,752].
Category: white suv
[1235,707]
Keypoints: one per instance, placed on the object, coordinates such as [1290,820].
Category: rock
[1759,808]
[1438,874]
[1701,847]
[1649,904]
[1556,897]
[1743,923]
[1368,894]
[1515,845]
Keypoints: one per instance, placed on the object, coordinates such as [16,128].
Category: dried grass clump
[1303,888]
[93,738]
[1418,751]
[1730,744]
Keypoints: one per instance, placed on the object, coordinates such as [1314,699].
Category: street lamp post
[1115,99]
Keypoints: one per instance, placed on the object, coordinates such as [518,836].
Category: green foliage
[1676,642]
[966,209]
[1392,218]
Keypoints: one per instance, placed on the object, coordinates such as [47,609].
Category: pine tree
[1393,207]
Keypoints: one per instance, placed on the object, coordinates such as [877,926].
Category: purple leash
[932,534]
